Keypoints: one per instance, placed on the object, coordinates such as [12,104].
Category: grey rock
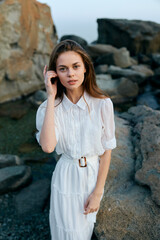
[7,160]
[122,58]
[156,78]
[101,69]
[107,54]
[14,177]
[127,210]
[156,59]
[38,97]
[78,39]
[135,76]
[136,35]
[147,147]
[134,61]
[143,59]
[121,90]
[32,199]
[145,69]
[96,50]
[148,99]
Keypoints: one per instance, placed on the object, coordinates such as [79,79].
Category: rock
[148,99]
[147,143]
[136,35]
[96,50]
[127,210]
[135,76]
[107,54]
[38,97]
[32,199]
[78,39]
[143,69]
[27,147]
[128,216]
[14,110]
[122,58]
[156,78]
[134,61]
[156,59]
[7,160]
[12,178]
[143,59]
[101,69]
[27,38]
[121,90]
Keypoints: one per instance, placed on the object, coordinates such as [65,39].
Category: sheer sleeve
[40,119]
[108,125]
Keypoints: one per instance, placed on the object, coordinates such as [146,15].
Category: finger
[52,72]
[87,211]
[49,76]
[86,204]
[44,70]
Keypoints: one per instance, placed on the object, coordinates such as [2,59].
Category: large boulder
[14,177]
[7,160]
[146,139]
[120,90]
[107,54]
[148,99]
[136,35]
[127,209]
[77,39]
[27,37]
[33,198]
[137,74]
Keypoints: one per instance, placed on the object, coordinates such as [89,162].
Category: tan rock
[127,210]
[27,37]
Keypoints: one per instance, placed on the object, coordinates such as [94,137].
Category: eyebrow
[65,66]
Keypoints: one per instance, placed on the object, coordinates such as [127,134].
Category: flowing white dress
[86,128]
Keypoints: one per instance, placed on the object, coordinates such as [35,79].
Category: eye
[76,66]
[62,69]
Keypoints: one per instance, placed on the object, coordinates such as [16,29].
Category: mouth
[72,81]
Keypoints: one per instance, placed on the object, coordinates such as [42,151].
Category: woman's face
[70,70]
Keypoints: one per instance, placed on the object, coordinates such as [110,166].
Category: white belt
[91,164]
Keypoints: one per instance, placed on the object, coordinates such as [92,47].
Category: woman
[78,120]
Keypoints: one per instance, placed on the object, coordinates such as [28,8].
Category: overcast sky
[79,17]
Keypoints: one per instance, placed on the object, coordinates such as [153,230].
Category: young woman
[77,120]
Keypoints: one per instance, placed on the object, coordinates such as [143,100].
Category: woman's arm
[48,137]
[103,172]
[93,202]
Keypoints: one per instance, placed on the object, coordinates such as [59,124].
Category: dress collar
[81,102]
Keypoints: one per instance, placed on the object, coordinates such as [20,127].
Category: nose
[70,72]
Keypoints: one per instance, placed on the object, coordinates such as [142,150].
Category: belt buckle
[82,162]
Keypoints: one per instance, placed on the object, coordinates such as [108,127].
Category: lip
[72,81]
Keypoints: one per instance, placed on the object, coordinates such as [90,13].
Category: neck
[74,95]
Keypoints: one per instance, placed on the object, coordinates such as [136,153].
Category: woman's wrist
[98,193]
[51,97]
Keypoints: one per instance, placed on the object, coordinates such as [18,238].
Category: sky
[79,17]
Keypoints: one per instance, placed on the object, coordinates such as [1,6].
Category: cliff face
[136,35]
[27,37]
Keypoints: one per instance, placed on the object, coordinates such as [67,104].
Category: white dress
[87,129]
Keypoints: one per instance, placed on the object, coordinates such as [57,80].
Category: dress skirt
[70,187]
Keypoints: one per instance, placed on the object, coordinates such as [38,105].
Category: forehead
[69,57]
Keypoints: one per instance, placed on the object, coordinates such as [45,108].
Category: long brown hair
[89,83]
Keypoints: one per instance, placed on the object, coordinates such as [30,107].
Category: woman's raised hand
[51,88]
